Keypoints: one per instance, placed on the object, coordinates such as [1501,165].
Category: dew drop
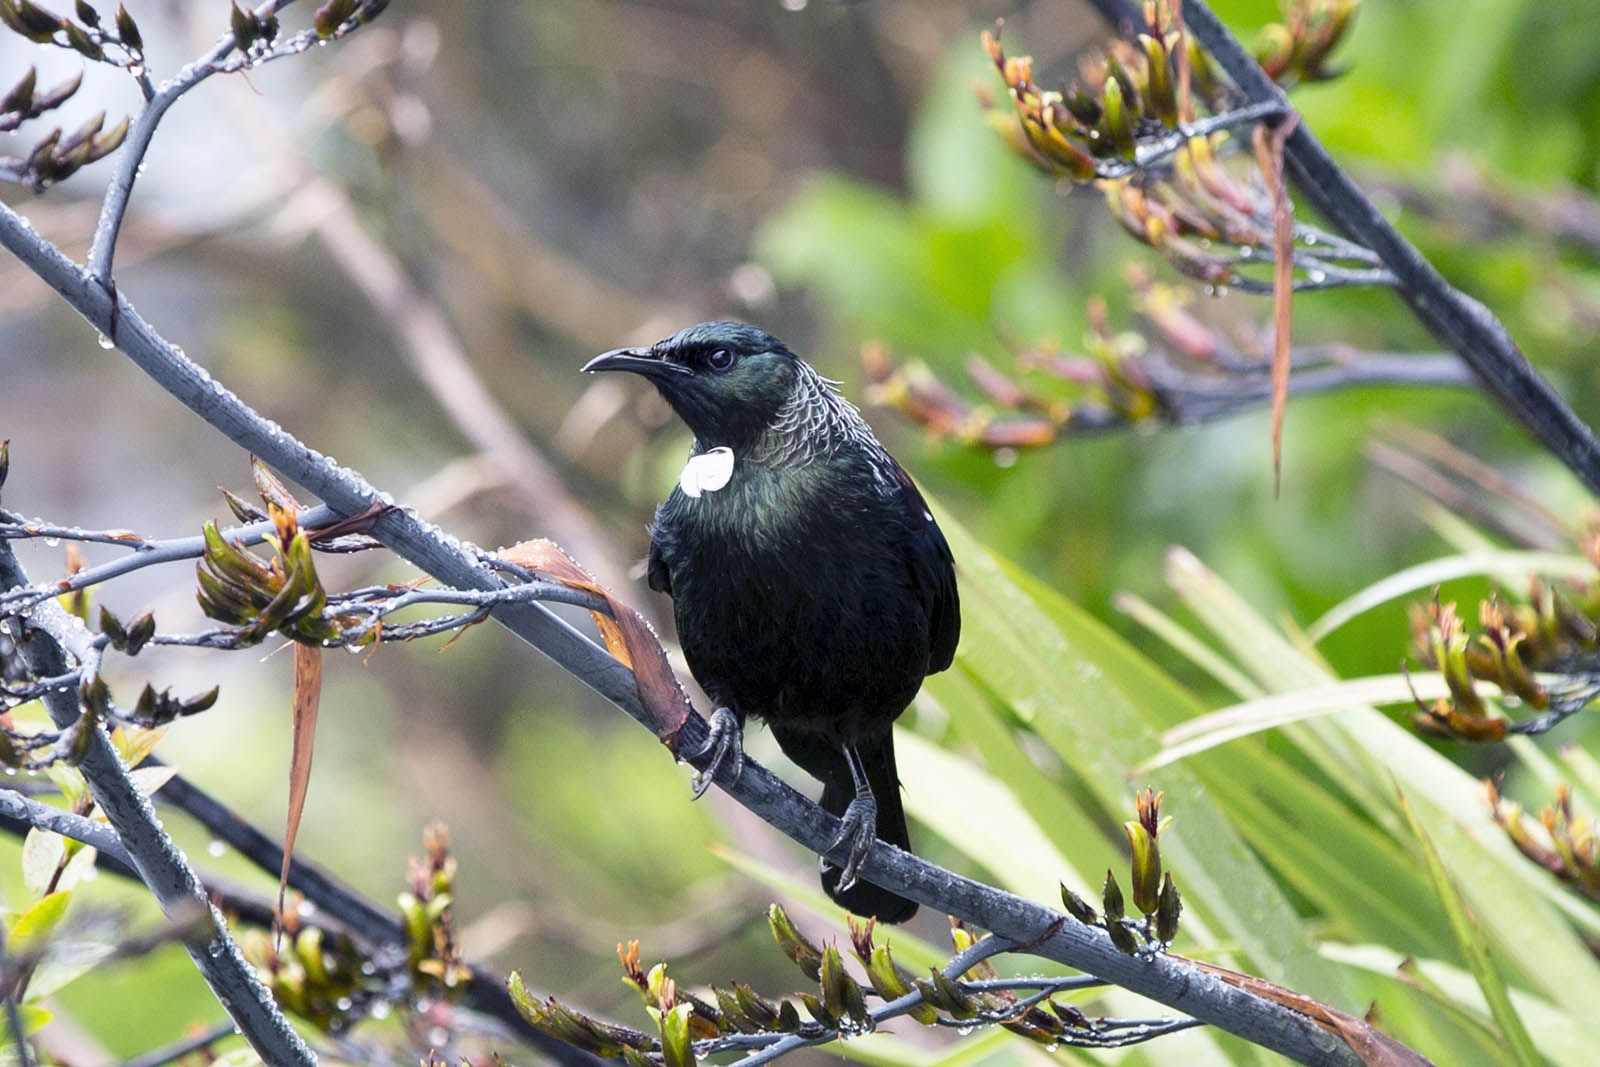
[1317,276]
[1005,457]
[380,1009]
[1246,251]
[964,1031]
[1310,239]
[794,5]
[104,342]
[344,1003]
[216,849]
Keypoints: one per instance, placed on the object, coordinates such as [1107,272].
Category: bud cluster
[1569,849]
[1543,655]
[1154,895]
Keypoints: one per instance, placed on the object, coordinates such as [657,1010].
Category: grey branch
[50,637]
[14,805]
[144,554]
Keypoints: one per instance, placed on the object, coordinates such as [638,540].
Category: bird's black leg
[859,825]
[726,741]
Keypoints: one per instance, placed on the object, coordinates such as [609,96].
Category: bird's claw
[858,828]
[725,742]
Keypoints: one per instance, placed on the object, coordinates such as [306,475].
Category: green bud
[1077,907]
[140,631]
[1161,95]
[111,626]
[733,1014]
[793,944]
[1167,912]
[37,24]
[1146,867]
[128,30]
[245,26]
[1117,121]
[19,101]
[1111,899]
[819,1011]
[676,1048]
[1123,938]
[762,1013]
[332,15]
[80,41]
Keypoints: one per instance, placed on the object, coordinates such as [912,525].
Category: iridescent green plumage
[813,589]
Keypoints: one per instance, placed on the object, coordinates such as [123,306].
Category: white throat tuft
[707,472]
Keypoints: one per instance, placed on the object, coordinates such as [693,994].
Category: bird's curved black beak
[638,360]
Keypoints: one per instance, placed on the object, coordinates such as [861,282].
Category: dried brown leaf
[627,636]
[307,699]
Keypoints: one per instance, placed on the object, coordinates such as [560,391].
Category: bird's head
[726,380]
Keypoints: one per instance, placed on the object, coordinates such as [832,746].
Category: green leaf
[1265,713]
[978,814]
[65,962]
[1511,569]
[32,929]
[1100,706]
[78,867]
[1561,1038]
[42,853]
[149,779]
[1475,948]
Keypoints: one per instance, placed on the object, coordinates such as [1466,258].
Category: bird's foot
[858,828]
[726,742]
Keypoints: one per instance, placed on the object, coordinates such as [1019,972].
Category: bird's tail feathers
[825,761]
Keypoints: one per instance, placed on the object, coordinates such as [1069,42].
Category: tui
[810,585]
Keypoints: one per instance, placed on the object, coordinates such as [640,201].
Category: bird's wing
[655,573]
[933,573]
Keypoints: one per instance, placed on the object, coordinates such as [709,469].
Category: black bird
[810,585]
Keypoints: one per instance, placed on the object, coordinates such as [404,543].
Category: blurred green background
[529,184]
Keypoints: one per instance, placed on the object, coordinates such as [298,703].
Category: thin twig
[114,208]
[178,1049]
[148,554]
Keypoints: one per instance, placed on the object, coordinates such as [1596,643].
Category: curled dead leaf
[627,636]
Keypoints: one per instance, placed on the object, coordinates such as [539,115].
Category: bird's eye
[721,359]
